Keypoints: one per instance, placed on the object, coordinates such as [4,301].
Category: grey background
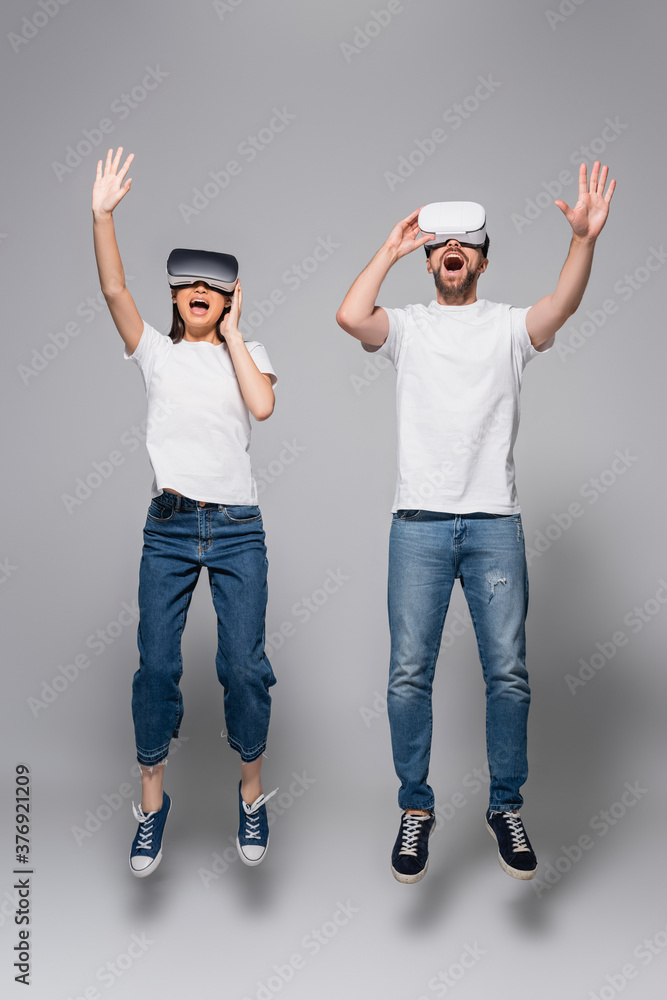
[67,574]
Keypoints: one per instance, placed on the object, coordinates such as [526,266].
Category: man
[456,512]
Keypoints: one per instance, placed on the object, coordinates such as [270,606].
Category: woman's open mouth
[199,307]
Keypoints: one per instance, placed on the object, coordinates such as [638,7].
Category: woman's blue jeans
[427,552]
[181,536]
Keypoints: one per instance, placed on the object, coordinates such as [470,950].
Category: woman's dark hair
[178,326]
[484,248]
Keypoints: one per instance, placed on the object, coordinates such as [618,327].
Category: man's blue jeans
[427,552]
[181,536]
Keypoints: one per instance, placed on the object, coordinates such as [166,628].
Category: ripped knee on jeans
[493,579]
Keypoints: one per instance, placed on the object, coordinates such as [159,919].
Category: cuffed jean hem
[505,808]
[151,767]
[425,797]
[149,758]
[247,756]
[496,805]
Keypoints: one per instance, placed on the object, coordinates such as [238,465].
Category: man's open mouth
[453,262]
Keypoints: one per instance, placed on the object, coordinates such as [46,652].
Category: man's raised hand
[403,237]
[109,188]
[590,213]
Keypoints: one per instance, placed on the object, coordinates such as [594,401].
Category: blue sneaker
[253,837]
[409,858]
[146,851]
[515,853]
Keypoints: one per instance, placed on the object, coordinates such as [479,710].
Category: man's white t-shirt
[198,425]
[459,380]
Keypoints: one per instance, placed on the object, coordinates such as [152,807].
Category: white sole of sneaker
[409,879]
[514,872]
[246,861]
[147,871]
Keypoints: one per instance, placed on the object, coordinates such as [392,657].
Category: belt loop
[178,502]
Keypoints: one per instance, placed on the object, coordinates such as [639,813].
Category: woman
[202,381]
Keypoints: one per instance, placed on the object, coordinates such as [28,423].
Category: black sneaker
[146,850]
[409,858]
[515,853]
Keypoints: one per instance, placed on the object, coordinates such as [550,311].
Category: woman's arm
[256,387]
[108,190]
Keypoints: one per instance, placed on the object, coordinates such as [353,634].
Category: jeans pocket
[407,515]
[242,513]
[160,511]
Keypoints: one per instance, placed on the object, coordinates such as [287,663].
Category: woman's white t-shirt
[198,424]
[459,379]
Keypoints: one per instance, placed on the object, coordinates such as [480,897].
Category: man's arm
[358,314]
[587,219]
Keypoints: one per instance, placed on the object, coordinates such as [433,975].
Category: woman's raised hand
[230,322]
[110,184]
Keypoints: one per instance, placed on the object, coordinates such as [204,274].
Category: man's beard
[453,291]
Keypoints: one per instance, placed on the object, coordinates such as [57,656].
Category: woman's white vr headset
[464,221]
[219,270]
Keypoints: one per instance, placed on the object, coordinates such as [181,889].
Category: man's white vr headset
[464,221]
[219,270]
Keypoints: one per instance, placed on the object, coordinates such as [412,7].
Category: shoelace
[252,825]
[517,832]
[411,831]
[146,835]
